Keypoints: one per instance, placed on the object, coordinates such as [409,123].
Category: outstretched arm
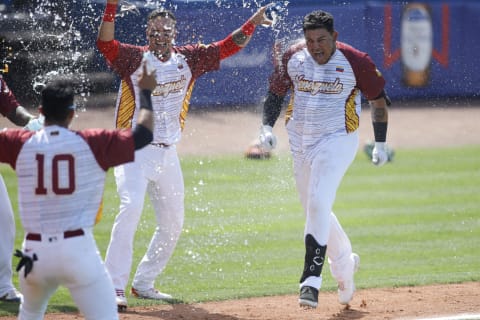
[10,107]
[20,116]
[241,36]
[106,42]
[107,26]
[142,134]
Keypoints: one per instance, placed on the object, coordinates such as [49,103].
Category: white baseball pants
[7,240]
[317,180]
[156,170]
[74,263]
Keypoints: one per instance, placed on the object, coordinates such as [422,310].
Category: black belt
[66,235]
[159,144]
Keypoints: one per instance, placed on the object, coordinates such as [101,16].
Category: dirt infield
[228,132]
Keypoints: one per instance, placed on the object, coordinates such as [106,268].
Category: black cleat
[308,297]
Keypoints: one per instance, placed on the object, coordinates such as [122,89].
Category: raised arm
[143,133]
[107,26]
[241,36]
[106,42]
[14,112]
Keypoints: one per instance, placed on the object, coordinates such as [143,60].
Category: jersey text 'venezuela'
[326,99]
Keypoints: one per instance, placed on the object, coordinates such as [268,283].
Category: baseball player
[10,108]
[156,169]
[61,176]
[326,78]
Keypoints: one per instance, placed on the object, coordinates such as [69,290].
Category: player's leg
[328,167]
[343,262]
[7,240]
[167,198]
[311,278]
[40,284]
[131,188]
[89,282]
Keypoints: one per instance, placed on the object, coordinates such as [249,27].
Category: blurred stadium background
[422,48]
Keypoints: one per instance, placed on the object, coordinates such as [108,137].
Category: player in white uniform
[326,78]
[61,175]
[10,108]
[156,169]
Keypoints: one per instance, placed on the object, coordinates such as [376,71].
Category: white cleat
[12,295]
[151,293]
[346,288]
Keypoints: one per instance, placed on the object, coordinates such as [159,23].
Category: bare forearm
[107,26]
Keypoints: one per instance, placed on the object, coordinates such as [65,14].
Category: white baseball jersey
[61,173]
[175,81]
[326,98]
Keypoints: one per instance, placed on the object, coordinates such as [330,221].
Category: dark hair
[57,100]
[161,13]
[318,20]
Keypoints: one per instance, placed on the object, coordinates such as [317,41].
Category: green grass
[413,222]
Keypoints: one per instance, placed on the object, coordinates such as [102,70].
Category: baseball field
[414,222]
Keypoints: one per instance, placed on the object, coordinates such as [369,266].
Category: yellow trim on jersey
[186,105]
[352,121]
[289,111]
[126,107]
[98,217]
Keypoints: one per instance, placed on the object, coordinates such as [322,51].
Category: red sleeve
[369,79]
[11,142]
[228,47]
[109,49]
[280,81]
[8,102]
[201,58]
[110,147]
[123,58]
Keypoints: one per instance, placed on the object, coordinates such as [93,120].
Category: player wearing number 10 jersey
[61,176]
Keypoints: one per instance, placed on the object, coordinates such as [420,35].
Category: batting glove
[379,154]
[268,141]
[35,124]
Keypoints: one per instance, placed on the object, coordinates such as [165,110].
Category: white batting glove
[268,141]
[379,154]
[35,124]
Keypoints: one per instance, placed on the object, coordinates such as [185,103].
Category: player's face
[320,44]
[161,34]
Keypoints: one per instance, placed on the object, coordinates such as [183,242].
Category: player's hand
[259,17]
[379,154]
[268,141]
[35,124]
[147,80]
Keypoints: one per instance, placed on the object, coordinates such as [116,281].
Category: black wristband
[380,131]
[146,99]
